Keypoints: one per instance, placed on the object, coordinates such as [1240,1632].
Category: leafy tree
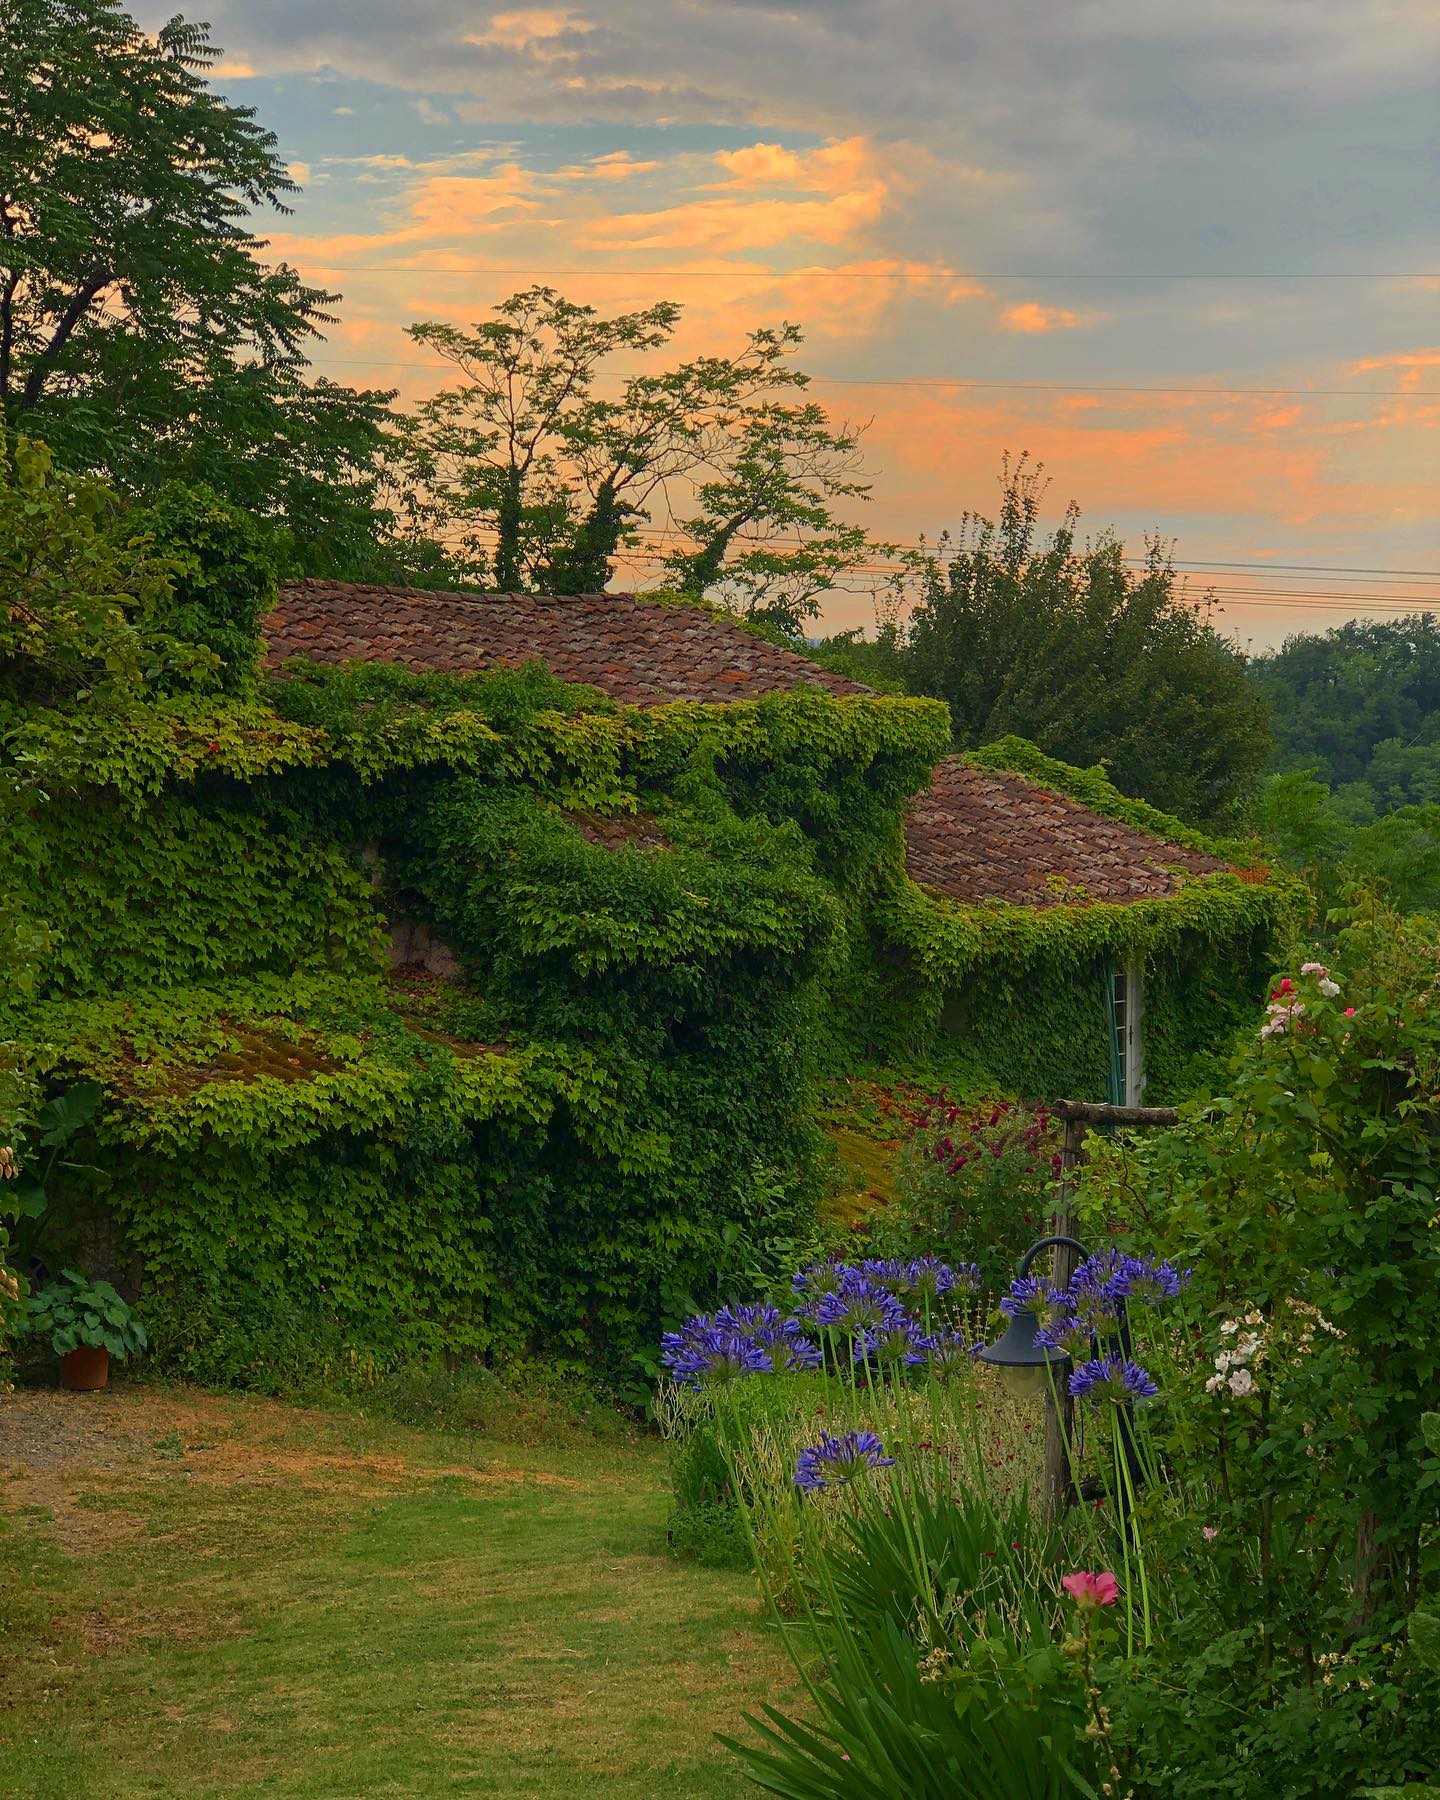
[84,605]
[221,567]
[1335,839]
[539,481]
[765,538]
[1360,705]
[1062,643]
[142,334]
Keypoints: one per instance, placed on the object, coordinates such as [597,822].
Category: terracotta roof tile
[973,836]
[638,651]
[979,835]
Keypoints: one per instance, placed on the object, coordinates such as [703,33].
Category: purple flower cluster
[705,1353]
[836,1461]
[781,1337]
[1077,1319]
[1113,1378]
[859,1306]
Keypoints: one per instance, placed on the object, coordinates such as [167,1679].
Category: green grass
[250,1598]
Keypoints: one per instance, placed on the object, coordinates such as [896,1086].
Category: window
[1126,995]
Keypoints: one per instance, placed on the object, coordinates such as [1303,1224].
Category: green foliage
[974,1186]
[222,576]
[1360,707]
[1304,1197]
[84,612]
[74,1311]
[1065,646]
[1335,839]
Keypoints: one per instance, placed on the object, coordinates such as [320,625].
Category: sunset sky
[1090,218]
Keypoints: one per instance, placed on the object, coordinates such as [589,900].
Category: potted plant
[88,1323]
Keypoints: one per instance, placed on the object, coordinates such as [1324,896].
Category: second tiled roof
[979,834]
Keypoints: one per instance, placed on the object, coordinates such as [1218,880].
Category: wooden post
[1059,1407]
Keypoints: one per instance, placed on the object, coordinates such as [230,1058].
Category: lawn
[203,1595]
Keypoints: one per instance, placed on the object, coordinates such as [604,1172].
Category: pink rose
[1087,1589]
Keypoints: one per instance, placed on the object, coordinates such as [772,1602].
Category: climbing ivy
[655,925]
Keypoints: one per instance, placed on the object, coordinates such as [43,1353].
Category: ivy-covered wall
[665,920]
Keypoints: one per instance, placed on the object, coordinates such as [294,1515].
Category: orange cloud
[533,30]
[1412,365]
[1031,316]
[619,165]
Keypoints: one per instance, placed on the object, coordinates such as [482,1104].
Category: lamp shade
[1016,1348]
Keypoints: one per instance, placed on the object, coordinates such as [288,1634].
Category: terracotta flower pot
[85,1368]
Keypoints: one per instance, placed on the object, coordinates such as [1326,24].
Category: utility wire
[872,274]
[966,381]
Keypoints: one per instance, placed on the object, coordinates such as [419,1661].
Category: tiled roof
[974,835]
[637,651]
[977,834]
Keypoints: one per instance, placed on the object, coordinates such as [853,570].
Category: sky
[1185,255]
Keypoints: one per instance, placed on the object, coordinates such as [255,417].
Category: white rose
[1329,988]
[1214,1384]
[1242,1382]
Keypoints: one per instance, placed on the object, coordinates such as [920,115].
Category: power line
[873,274]
[967,381]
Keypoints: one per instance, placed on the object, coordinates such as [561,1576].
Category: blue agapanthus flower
[837,1461]
[819,1278]
[773,1331]
[1033,1293]
[922,1278]
[705,1353]
[858,1305]
[901,1345]
[1113,1378]
[1070,1334]
[952,1350]
[1114,1275]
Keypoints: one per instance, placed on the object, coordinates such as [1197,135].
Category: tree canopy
[544,462]
[1064,643]
[1359,706]
[143,333]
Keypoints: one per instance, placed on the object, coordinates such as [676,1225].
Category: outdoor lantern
[1025,1365]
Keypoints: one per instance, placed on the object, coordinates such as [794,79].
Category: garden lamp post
[1028,1366]
[1025,1366]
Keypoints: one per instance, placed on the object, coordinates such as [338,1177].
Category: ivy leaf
[1425,1638]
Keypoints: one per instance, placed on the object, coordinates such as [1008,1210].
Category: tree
[1335,839]
[84,601]
[1360,705]
[1064,644]
[539,481]
[765,539]
[142,335]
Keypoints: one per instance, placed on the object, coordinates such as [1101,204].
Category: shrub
[974,1183]
[75,1311]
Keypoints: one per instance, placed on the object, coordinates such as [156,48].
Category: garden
[1032,1480]
[1233,1587]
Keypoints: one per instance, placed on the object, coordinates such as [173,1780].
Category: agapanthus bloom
[951,1350]
[1031,1293]
[836,1461]
[1069,1334]
[818,1277]
[1114,1378]
[705,1354]
[858,1305]
[901,1345]
[923,1278]
[784,1338]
